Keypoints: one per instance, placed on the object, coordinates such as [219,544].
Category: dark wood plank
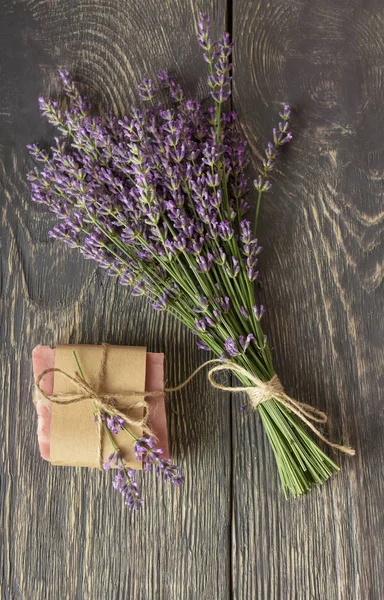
[65,533]
[322,267]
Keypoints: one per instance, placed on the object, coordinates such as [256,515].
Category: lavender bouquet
[158,200]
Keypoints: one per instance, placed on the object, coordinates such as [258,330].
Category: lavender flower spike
[124,482]
[231,347]
[115,424]
[114,458]
[145,451]
[281,136]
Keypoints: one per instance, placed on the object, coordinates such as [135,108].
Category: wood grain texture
[65,533]
[228,533]
[322,231]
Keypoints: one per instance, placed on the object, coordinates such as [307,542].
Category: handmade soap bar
[43,357]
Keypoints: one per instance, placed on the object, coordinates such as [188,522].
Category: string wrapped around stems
[263,391]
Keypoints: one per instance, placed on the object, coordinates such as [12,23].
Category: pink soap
[43,357]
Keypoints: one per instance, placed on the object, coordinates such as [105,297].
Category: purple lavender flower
[115,424]
[252,274]
[147,90]
[281,136]
[244,312]
[209,322]
[231,347]
[114,458]
[286,112]
[124,482]
[262,185]
[225,303]
[202,304]
[225,231]
[217,313]
[36,152]
[244,342]
[151,456]
[203,37]
[201,326]
[245,232]
[204,263]
[258,311]
[233,268]
[161,302]
[202,345]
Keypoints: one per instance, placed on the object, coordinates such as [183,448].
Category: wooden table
[229,533]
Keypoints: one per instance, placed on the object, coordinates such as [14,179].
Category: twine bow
[103,402]
[262,391]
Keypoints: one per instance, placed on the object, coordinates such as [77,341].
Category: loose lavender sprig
[158,199]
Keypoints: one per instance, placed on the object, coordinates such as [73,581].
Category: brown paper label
[74,434]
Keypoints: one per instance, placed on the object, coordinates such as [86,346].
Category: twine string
[96,401]
[262,391]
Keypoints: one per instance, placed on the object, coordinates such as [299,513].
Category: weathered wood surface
[322,231]
[228,533]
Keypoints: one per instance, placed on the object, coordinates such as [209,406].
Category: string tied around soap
[262,391]
[104,402]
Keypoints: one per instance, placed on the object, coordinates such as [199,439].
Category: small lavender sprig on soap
[158,199]
[145,451]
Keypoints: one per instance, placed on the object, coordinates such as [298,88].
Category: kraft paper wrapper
[74,434]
